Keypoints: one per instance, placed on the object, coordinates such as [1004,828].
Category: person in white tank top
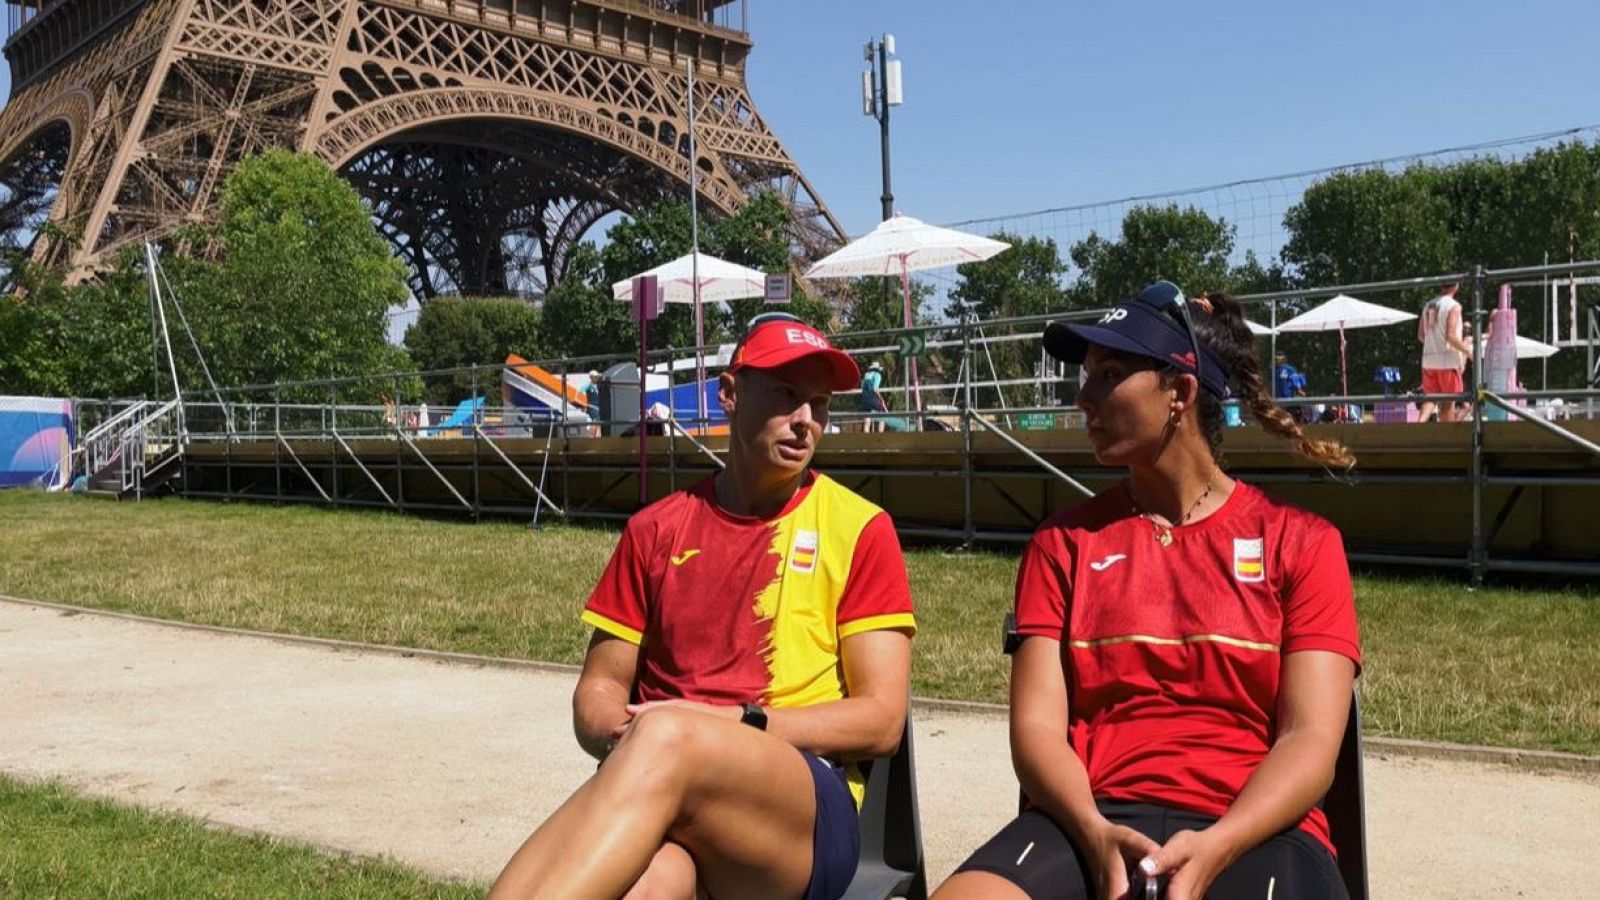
[1444,351]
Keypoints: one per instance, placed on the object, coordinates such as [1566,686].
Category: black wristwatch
[754,716]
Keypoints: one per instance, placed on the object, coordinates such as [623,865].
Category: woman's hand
[1110,849]
[1193,859]
[635,710]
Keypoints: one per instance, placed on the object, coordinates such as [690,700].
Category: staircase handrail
[100,442]
[131,411]
[136,439]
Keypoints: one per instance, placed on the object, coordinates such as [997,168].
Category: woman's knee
[663,748]
[671,875]
[668,728]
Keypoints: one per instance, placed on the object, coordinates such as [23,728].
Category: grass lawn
[1500,666]
[58,845]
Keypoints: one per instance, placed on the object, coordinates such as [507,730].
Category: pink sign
[647,299]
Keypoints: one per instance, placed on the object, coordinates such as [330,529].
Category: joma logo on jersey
[803,558]
[1249,559]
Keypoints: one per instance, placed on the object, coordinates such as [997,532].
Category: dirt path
[447,766]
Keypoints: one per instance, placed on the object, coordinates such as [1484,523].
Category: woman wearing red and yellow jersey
[752,640]
[1189,643]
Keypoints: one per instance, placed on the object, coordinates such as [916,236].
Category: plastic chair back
[891,831]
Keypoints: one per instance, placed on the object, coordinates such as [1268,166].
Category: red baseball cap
[777,339]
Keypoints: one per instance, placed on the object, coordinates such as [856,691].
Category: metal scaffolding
[1530,488]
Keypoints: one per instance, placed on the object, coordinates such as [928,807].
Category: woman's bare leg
[978,886]
[670,876]
[738,799]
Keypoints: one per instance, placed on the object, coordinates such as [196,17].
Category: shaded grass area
[1501,666]
[59,845]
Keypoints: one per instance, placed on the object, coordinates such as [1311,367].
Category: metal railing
[135,443]
[102,445]
[353,408]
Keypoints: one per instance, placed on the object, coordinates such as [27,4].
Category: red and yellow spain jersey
[731,609]
[1173,654]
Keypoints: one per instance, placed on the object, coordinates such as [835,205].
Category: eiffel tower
[487,135]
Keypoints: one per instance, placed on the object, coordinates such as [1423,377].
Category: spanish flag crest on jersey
[1249,563]
[803,558]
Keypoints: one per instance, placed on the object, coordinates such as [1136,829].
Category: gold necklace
[1164,532]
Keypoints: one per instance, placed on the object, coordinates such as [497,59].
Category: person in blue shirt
[871,400]
[1287,382]
[591,398]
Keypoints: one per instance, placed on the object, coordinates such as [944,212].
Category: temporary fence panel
[36,441]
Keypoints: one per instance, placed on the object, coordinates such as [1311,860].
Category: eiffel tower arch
[487,135]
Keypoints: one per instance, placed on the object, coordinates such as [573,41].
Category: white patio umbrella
[718,281]
[1344,311]
[1257,328]
[1528,348]
[902,245]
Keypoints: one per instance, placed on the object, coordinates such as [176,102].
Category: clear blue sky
[1015,105]
[1018,105]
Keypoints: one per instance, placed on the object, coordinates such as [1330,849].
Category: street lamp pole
[881,90]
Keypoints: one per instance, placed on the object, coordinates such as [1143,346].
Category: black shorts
[836,836]
[1034,854]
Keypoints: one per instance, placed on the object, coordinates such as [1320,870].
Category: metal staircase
[137,451]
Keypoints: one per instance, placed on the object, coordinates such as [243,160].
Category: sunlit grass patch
[1501,666]
[59,845]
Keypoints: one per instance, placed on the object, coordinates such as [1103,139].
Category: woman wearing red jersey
[1189,643]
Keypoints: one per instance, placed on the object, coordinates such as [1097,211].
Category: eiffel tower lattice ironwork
[487,135]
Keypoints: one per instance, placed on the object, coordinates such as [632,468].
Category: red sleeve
[1043,586]
[1320,606]
[620,602]
[877,594]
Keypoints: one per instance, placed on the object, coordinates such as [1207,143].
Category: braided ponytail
[1225,334]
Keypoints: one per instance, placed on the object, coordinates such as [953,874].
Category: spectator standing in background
[871,399]
[1445,352]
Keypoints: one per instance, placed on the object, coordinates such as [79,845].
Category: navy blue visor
[1153,325]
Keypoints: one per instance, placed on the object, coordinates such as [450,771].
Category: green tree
[1022,281]
[756,236]
[306,281]
[86,340]
[28,363]
[453,332]
[582,319]
[1522,212]
[1182,245]
[301,292]
[1365,226]
[579,315]
[878,304]
[1369,225]
[1376,225]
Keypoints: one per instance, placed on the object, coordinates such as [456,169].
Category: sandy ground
[447,766]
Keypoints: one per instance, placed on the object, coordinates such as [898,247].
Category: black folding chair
[1345,804]
[891,831]
[1346,807]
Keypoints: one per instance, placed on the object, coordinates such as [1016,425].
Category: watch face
[754,716]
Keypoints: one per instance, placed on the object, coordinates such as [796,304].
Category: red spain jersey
[732,609]
[1173,654]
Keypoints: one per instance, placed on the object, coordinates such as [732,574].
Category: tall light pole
[881,89]
[694,266]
